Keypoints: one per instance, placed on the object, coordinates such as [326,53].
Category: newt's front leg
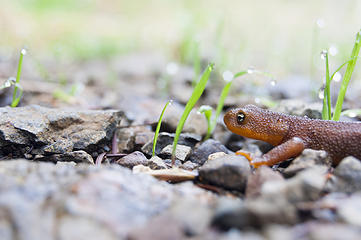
[282,152]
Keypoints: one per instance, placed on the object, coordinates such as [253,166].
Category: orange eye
[240,117]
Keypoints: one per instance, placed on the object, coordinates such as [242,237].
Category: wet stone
[156,163]
[262,175]
[182,152]
[216,155]
[165,139]
[126,139]
[349,210]
[307,185]
[230,172]
[188,165]
[254,213]
[61,146]
[168,163]
[201,153]
[230,213]
[263,211]
[156,229]
[307,159]
[141,139]
[133,159]
[326,231]
[347,176]
[193,215]
[95,202]
[76,156]
[47,130]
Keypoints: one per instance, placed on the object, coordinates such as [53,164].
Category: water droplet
[333,50]
[321,92]
[170,102]
[227,76]
[23,51]
[352,114]
[273,82]
[250,70]
[172,68]
[337,77]
[320,22]
[11,80]
[324,54]
[257,100]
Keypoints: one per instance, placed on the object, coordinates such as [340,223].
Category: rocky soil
[77,170]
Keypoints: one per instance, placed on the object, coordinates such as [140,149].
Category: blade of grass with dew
[16,96]
[326,108]
[197,92]
[158,127]
[347,77]
[339,68]
[221,100]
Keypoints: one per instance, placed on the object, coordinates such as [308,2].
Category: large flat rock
[39,130]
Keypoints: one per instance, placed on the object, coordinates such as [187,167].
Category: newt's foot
[257,162]
[245,154]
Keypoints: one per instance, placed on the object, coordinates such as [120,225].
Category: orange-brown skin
[291,134]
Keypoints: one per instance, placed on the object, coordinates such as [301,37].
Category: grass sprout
[18,91]
[348,74]
[196,94]
[326,108]
[158,127]
[208,112]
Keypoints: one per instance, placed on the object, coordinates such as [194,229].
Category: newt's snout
[227,119]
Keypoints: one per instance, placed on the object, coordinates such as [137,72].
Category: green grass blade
[347,76]
[207,111]
[339,68]
[197,92]
[158,127]
[239,74]
[221,100]
[326,108]
[15,100]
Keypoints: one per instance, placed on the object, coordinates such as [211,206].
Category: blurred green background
[277,36]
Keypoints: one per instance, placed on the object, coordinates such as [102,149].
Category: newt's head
[257,123]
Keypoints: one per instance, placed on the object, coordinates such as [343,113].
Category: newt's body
[291,134]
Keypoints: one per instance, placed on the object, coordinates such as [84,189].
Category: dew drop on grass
[352,114]
[333,50]
[227,76]
[23,51]
[337,77]
[250,70]
[172,68]
[323,54]
[320,22]
[170,102]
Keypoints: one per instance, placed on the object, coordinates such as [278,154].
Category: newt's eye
[240,117]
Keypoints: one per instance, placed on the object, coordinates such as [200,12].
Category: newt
[292,134]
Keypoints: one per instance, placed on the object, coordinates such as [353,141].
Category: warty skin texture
[292,134]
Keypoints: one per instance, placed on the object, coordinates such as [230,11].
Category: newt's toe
[245,154]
